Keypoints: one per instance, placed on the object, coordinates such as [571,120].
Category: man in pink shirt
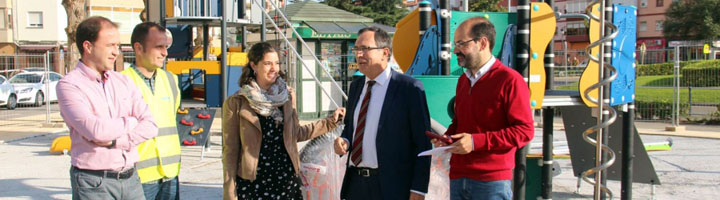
[107,117]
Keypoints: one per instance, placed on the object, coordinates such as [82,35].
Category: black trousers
[362,187]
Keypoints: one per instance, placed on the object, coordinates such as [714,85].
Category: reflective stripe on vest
[159,156]
[174,86]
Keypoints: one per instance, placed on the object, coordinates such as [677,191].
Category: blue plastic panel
[213,95]
[182,40]
[233,77]
[623,55]
[426,61]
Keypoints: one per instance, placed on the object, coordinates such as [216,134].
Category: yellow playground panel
[178,67]
[198,51]
[210,67]
[407,38]
[590,75]
[542,30]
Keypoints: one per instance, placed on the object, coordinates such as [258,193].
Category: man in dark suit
[384,132]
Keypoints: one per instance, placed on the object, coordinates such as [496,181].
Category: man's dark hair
[382,39]
[88,30]
[483,28]
[140,32]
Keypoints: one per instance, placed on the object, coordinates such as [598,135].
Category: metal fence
[658,96]
[28,96]
[28,84]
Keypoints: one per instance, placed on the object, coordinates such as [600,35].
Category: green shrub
[660,68]
[657,110]
[701,74]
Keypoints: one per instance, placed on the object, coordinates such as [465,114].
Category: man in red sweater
[492,117]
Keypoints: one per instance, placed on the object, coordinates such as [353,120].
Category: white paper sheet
[434,151]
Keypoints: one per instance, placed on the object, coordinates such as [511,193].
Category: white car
[31,88]
[8,98]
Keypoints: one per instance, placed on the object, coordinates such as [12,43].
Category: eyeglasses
[365,49]
[462,44]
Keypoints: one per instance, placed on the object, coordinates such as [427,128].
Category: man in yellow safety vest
[159,163]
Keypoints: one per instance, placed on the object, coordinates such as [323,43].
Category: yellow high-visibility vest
[159,156]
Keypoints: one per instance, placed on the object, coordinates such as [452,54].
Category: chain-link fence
[28,95]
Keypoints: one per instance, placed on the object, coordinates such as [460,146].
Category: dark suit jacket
[400,137]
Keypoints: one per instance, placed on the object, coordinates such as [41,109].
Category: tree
[694,20]
[486,6]
[143,14]
[381,11]
[75,10]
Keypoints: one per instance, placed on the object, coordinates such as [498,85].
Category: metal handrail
[317,60]
[324,67]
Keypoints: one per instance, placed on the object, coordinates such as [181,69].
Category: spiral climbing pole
[598,94]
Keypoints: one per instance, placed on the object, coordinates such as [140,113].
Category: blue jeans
[466,189]
[162,189]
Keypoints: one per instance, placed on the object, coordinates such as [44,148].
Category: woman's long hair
[255,55]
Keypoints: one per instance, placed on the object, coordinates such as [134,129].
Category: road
[26,111]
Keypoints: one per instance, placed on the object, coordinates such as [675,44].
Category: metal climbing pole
[606,115]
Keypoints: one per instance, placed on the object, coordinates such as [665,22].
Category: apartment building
[651,15]
[7,41]
[38,26]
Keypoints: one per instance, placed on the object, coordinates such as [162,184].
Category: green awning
[344,27]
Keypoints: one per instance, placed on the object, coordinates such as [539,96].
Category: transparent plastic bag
[321,170]
[439,186]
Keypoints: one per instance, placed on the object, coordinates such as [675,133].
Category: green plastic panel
[439,90]
[499,19]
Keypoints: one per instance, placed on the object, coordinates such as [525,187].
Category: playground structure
[525,46]
[607,82]
[201,76]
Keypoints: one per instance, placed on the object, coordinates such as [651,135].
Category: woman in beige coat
[261,130]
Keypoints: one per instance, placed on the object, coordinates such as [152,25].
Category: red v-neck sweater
[496,111]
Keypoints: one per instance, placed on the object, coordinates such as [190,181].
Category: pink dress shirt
[103,109]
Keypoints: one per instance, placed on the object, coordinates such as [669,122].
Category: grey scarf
[267,103]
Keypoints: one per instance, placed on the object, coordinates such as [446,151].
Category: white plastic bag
[439,186]
[321,170]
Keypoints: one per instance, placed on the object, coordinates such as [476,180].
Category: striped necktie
[356,153]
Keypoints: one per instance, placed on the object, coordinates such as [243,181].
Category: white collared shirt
[480,73]
[372,118]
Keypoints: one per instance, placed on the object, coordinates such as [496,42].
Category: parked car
[31,89]
[9,73]
[33,69]
[8,98]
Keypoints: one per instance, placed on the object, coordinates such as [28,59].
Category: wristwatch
[112,144]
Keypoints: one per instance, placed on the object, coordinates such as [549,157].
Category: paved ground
[688,171]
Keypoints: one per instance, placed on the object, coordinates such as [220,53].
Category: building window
[117,14]
[576,28]
[658,25]
[643,3]
[35,19]
[660,3]
[576,7]
[643,26]
[9,19]
[2,19]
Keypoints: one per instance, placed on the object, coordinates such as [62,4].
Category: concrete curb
[33,136]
